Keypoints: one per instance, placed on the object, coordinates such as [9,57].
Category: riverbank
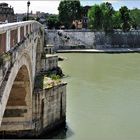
[111,50]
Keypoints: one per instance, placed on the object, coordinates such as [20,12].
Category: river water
[103,96]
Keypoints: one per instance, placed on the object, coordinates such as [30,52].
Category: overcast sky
[51,6]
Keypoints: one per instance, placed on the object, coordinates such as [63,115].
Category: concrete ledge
[111,50]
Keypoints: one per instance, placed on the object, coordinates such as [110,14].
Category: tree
[125,18]
[95,17]
[107,18]
[53,22]
[116,20]
[68,11]
[135,18]
[101,17]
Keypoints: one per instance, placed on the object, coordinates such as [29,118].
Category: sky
[51,6]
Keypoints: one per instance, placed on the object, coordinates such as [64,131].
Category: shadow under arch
[18,112]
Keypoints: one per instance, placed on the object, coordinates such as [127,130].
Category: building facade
[6,13]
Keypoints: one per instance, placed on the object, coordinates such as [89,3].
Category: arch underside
[18,112]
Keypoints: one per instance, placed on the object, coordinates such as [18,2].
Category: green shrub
[55,77]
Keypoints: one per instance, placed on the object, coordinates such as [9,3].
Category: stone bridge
[21,46]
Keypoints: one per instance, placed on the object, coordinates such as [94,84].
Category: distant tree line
[101,17]
[104,17]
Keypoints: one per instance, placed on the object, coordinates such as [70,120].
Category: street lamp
[28,4]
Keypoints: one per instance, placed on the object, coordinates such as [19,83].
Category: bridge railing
[13,33]
[11,36]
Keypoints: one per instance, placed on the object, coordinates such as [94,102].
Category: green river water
[103,96]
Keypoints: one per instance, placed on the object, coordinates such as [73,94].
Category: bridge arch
[19,105]
[20,89]
[17,96]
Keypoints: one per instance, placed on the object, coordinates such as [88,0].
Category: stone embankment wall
[86,39]
[49,108]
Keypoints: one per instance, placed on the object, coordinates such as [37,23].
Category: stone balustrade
[13,33]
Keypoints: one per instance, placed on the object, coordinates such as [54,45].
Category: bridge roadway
[21,46]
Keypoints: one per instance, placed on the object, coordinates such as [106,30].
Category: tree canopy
[69,11]
[116,20]
[53,22]
[101,17]
[135,17]
[104,17]
[125,18]
[107,18]
[95,17]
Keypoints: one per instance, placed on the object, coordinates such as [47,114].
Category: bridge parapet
[12,37]
[13,33]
